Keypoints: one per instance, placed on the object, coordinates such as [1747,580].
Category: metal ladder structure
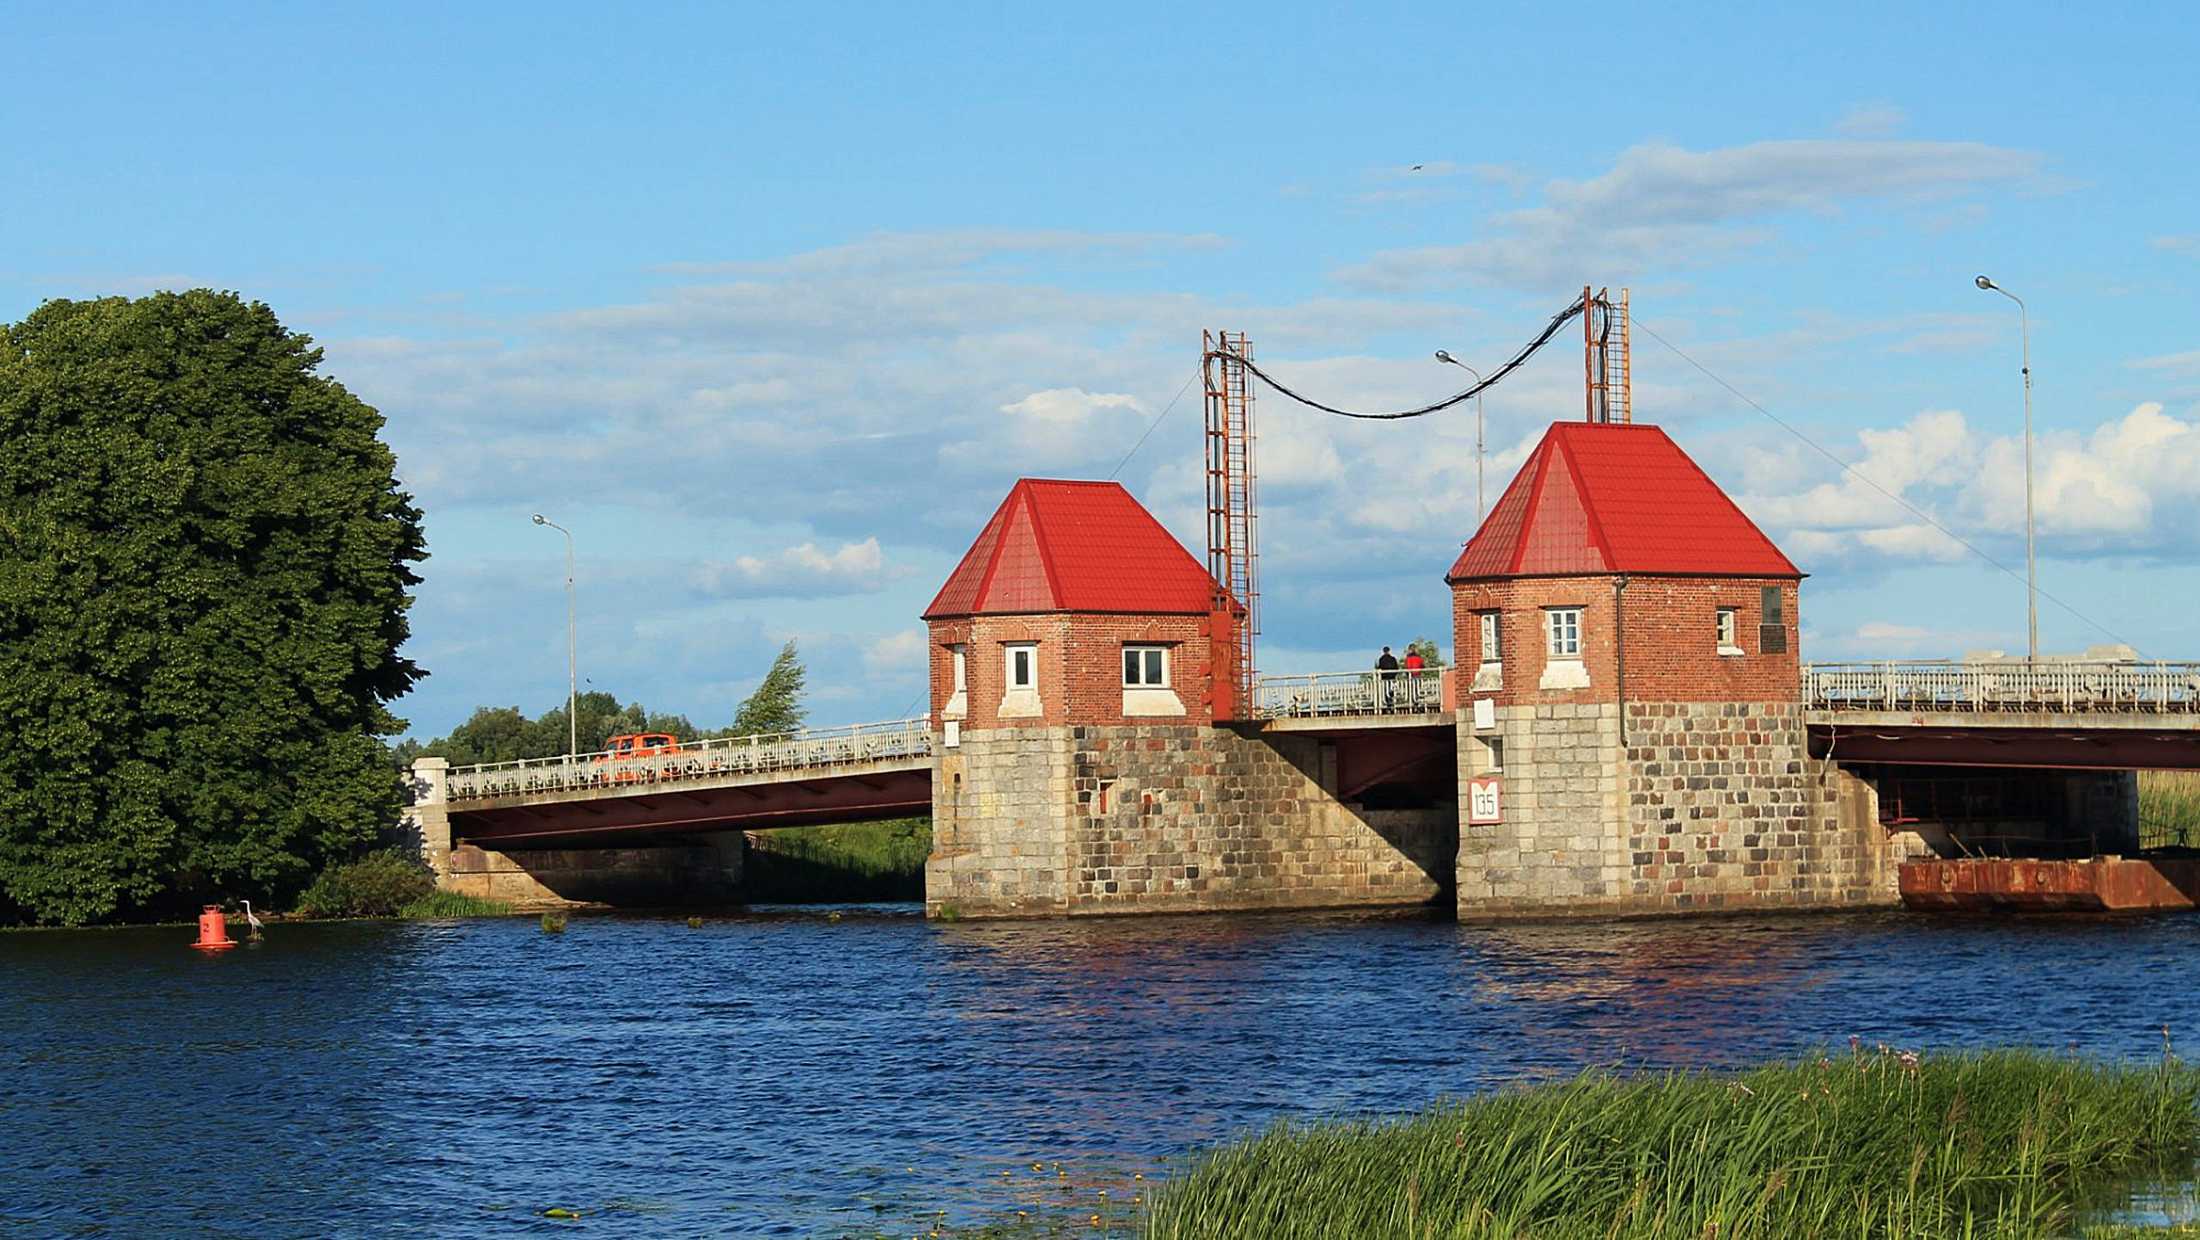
[1606,357]
[1232,525]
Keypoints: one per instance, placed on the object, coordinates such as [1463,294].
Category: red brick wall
[1080,666]
[1672,648]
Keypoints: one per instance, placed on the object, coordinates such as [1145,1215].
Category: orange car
[634,747]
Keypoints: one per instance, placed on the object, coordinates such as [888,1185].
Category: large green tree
[205,559]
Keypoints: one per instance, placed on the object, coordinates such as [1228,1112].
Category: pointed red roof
[1616,498]
[1054,545]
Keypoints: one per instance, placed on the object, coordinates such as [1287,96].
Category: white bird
[250,920]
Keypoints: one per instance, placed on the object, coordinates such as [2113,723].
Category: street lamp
[1442,356]
[2031,561]
[572,647]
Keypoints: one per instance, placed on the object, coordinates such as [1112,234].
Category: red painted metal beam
[2036,748]
[625,821]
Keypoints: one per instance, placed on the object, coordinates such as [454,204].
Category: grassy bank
[859,861]
[1856,1145]
[2169,808]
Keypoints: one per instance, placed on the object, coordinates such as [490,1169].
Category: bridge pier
[428,819]
[1096,819]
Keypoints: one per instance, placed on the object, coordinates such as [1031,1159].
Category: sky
[770,305]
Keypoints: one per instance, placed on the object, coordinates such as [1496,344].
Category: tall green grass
[1864,1144]
[440,905]
[2169,809]
[857,861]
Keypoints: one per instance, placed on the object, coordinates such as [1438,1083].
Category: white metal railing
[2048,685]
[810,749]
[1323,695]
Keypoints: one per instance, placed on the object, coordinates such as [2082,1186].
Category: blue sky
[772,304]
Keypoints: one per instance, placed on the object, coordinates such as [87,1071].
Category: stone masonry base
[1695,807]
[1167,818]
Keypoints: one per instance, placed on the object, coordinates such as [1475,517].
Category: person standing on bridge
[1414,663]
[1386,665]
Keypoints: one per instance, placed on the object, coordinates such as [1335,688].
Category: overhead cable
[1528,350]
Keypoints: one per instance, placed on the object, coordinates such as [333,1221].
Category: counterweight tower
[1232,524]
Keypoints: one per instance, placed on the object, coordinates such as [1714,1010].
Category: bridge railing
[2049,685]
[1323,695]
[819,749]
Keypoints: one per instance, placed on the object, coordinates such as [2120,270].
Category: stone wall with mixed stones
[1558,849]
[1726,809]
[1706,806]
[1167,818]
[1194,818]
[1000,804]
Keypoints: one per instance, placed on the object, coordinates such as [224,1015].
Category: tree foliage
[776,706]
[1431,654]
[204,571]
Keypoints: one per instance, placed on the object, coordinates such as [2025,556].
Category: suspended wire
[1155,425]
[1528,350]
[1853,472]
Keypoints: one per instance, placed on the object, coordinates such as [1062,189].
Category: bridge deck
[726,761]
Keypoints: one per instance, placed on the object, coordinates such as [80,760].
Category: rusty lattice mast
[1605,359]
[1232,525]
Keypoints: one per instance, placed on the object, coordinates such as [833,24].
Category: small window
[1491,651]
[1023,666]
[1145,667]
[1495,747]
[1772,633]
[959,654]
[1730,631]
[1564,624]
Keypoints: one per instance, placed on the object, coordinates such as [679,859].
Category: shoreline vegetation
[854,862]
[1873,1142]
[2169,809]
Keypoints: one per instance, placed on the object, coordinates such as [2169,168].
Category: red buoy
[213,930]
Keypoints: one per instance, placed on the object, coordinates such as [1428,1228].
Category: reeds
[2169,809]
[1864,1144]
[439,905]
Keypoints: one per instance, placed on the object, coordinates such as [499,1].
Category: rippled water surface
[779,1073]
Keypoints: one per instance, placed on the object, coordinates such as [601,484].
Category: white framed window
[960,655]
[1145,667]
[1563,627]
[1730,623]
[1492,650]
[1021,660]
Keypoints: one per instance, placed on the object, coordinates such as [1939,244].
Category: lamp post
[1443,356]
[2031,561]
[572,648]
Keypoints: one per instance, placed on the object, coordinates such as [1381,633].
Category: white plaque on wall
[954,737]
[1484,806]
[1485,714]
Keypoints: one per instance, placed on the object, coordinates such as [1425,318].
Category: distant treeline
[505,734]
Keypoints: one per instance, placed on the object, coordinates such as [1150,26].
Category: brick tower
[1074,609]
[1090,756]
[1635,699]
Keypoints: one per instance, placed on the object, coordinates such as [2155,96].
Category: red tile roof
[1616,498]
[1074,546]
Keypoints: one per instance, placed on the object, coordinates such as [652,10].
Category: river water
[780,1072]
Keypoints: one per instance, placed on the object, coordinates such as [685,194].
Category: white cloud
[1662,206]
[2130,487]
[803,571]
[1871,120]
[2187,362]
[897,653]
